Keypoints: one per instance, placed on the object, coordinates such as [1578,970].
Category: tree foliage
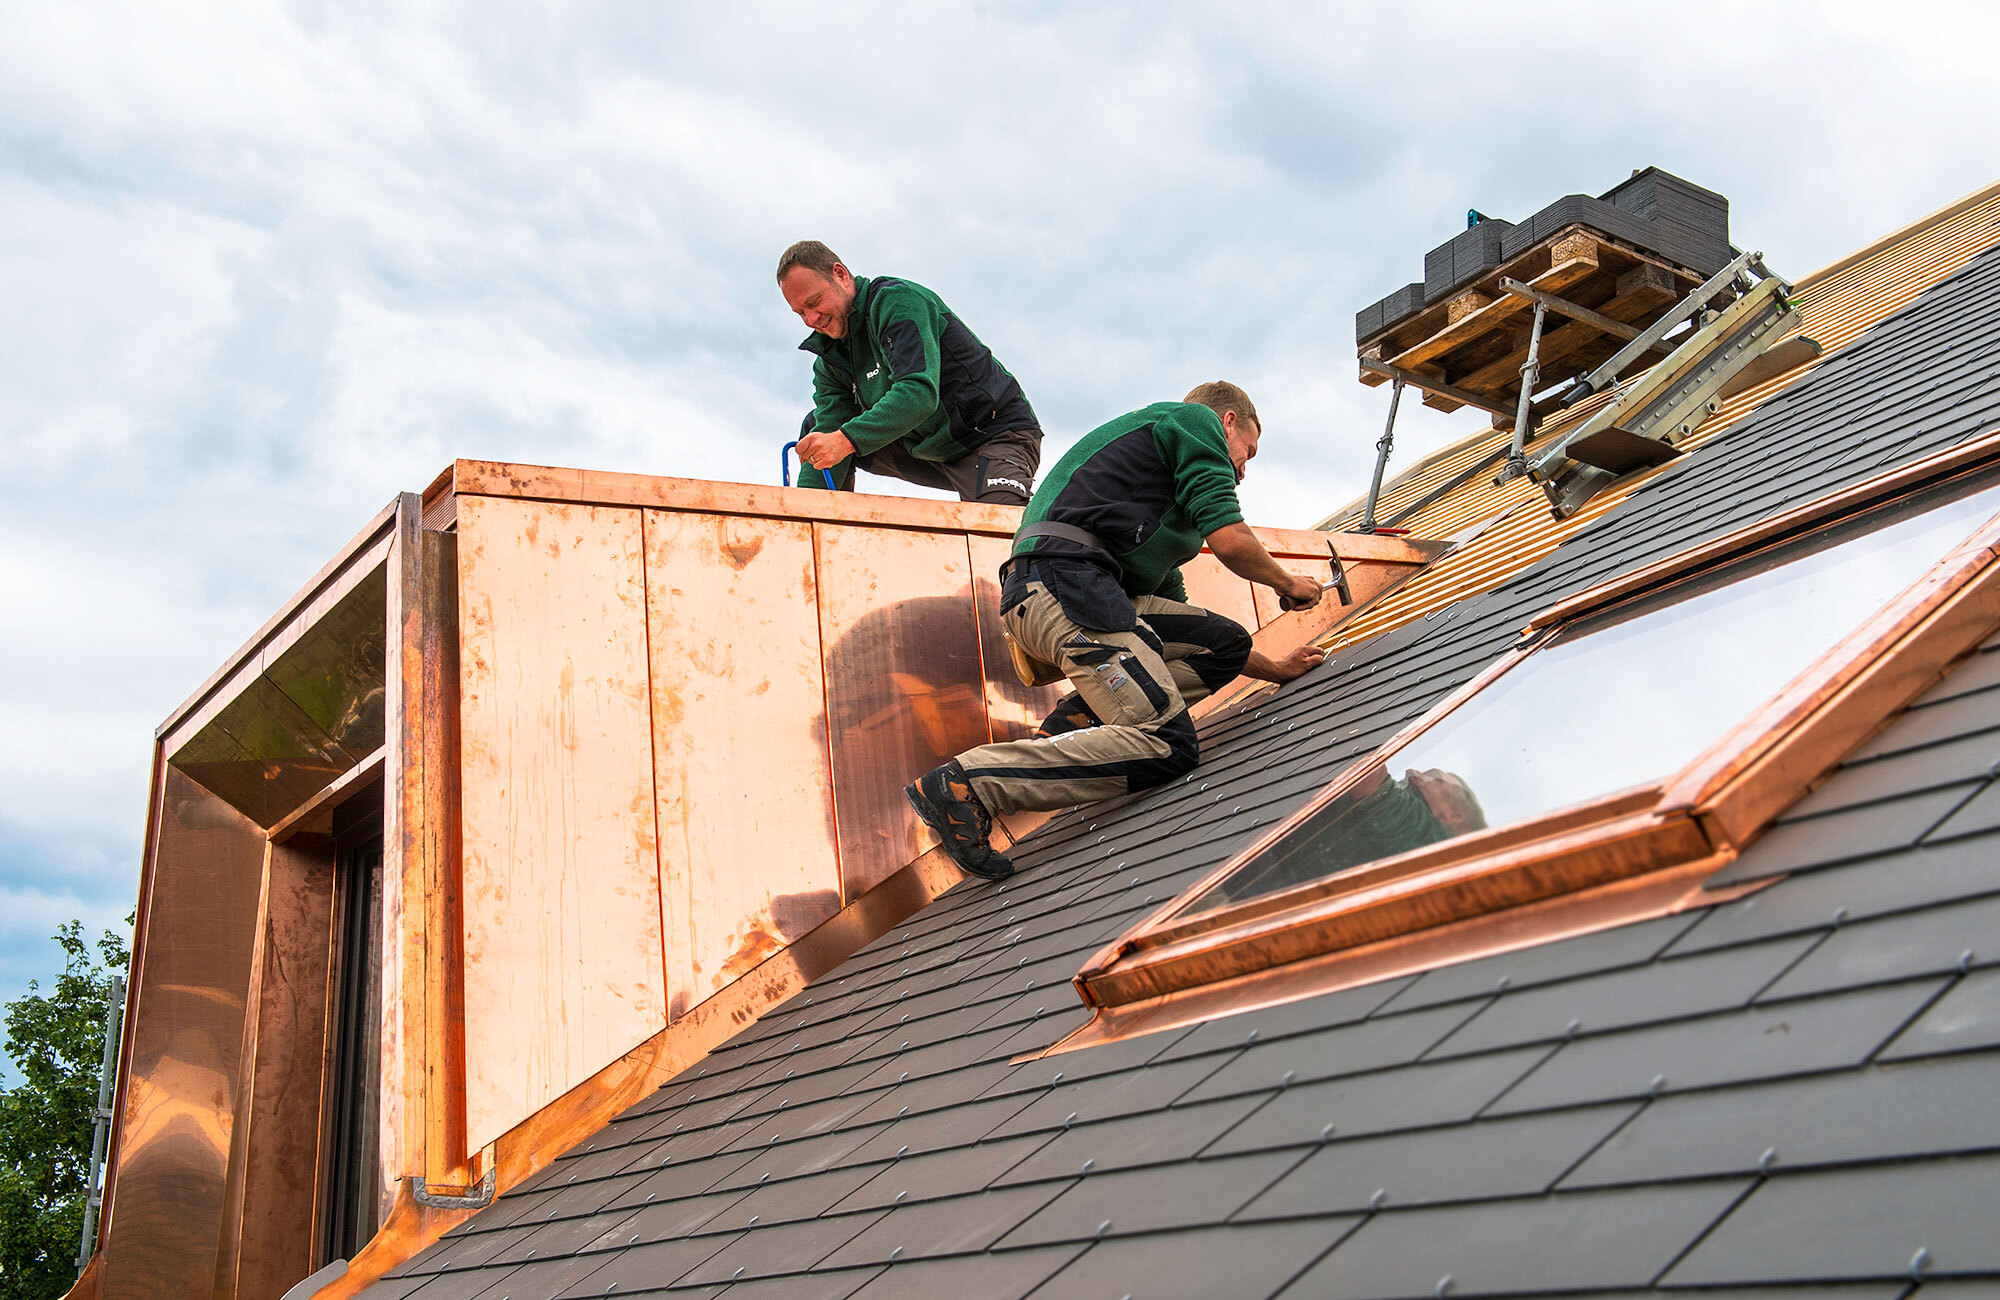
[55,1041]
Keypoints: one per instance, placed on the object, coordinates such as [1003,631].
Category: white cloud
[268,264]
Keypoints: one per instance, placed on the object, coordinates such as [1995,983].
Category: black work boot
[1070,714]
[943,797]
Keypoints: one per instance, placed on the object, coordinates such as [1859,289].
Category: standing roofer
[902,388]
[1093,586]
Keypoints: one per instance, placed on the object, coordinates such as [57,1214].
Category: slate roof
[1791,1094]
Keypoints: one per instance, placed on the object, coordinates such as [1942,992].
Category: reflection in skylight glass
[1618,701]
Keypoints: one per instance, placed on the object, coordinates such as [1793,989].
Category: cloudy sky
[265,265]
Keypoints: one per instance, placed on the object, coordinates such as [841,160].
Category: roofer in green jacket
[902,388]
[1093,587]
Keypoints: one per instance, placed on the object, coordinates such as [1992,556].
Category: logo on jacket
[871,374]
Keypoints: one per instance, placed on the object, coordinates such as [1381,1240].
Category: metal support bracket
[1659,329]
[1438,386]
[480,1198]
[1531,374]
[1383,446]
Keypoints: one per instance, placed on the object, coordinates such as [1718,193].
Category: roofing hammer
[1338,583]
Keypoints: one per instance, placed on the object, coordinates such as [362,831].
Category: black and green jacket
[908,371]
[1152,485]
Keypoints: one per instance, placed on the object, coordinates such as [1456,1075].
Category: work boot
[1070,714]
[943,797]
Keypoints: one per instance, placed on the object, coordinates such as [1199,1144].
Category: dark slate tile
[1134,1140]
[798,1286]
[955,1226]
[1760,1043]
[784,1248]
[792,1199]
[1371,1044]
[675,1180]
[1627,945]
[1824,1291]
[937,1092]
[663,1220]
[1242,1262]
[1491,1158]
[1856,1223]
[571,1237]
[468,1251]
[1923,1108]
[1002,1275]
[1935,722]
[1947,1289]
[1666,990]
[1105,1058]
[953,1126]
[936,1058]
[1914,878]
[1107,1096]
[1932,941]
[1978,673]
[1189,1195]
[1964,1019]
[1927,768]
[796,1159]
[1980,813]
[1310,1014]
[953,1172]
[638,1268]
[1559,1243]
[394,1288]
[483,1282]
[1836,837]
[1417,1096]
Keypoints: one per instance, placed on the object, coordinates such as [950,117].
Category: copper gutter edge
[372,533]
[1620,902]
[585,1109]
[1965,456]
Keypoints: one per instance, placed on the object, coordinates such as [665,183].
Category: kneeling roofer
[1093,587]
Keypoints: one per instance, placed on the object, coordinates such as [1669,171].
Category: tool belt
[1032,670]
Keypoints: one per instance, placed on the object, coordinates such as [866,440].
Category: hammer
[1338,584]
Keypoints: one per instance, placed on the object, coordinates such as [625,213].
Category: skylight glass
[1618,700]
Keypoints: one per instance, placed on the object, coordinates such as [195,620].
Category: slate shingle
[1414,1097]
[955,1226]
[1759,1043]
[1003,1275]
[1923,1108]
[1244,1263]
[1598,1240]
[1965,1018]
[1491,1158]
[1857,1223]
[1147,1200]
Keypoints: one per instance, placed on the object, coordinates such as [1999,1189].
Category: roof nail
[1103,1228]
[1326,1133]
[1381,1195]
[1653,1088]
[1965,961]
[752,1219]
[1917,1262]
[897,1251]
[1087,1164]
[899,1197]
[1765,1161]
[1071,1119]
[1285,1080]
[1444,1285]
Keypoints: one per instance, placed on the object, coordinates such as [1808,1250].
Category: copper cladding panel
[561,873]
[745,800]
[267,1239]
[181,1069]
[1012,710]
[904,683]
[1216,589]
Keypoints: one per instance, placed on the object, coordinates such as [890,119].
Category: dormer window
[1647,727]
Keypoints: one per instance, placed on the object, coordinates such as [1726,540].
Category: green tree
[55,1041]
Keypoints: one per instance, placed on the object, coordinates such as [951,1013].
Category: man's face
[821,301]
[1241,435]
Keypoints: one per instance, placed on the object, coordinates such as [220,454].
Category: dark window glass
[1620,699]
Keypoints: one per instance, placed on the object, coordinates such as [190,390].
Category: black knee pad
[1183,753]
[1232,652]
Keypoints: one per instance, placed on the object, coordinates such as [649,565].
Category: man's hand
[825,450]
[1300,593]
[1293,663]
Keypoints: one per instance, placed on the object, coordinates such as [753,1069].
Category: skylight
[1623,699]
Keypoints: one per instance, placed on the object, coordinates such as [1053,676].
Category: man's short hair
[812,255]
[1220,395]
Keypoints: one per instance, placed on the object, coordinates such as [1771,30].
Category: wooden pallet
[1473,343]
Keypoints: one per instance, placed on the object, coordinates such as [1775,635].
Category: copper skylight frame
[1625,855]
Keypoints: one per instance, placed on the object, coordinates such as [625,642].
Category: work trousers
[1000,472]
[1137,683]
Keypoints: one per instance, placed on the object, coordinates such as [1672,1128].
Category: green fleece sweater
[1152,484]
[908,371]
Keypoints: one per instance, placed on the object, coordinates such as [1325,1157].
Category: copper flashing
[1707,812]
